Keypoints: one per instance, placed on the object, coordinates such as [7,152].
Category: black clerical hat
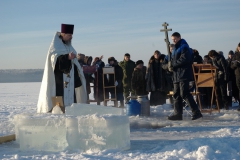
[67,28]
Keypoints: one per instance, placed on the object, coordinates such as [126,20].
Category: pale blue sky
[114,27]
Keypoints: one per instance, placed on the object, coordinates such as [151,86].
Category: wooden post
[8,138]
[109,70]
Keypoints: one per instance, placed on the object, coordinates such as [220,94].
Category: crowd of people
[162,74]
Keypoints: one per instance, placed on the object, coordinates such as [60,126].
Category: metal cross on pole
[166,37]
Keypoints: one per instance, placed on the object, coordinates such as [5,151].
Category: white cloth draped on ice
[48,86]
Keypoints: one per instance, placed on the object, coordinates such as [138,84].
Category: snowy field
[216,136]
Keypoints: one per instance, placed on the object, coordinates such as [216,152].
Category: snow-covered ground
[216,136]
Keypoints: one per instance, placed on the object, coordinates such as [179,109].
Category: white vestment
[48,86]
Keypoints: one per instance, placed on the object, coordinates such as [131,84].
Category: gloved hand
[116,83]
[170,66]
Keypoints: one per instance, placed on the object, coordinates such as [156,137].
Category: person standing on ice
[156,80]
[181,63]
[127,66]
[63,75]
[236,66]
[118,82]
[138,79]
[221,77]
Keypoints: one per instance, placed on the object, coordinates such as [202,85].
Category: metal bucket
[145,105]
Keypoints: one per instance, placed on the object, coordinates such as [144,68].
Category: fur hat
[230,52]
[139,62]
[111,59]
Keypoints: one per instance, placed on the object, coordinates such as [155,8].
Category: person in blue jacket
[181,63]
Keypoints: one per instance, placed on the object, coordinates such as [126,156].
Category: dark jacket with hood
[155,76]
[182,59]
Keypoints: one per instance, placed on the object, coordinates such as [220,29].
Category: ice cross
[166,37]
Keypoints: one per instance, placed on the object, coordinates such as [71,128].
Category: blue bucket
[133,108]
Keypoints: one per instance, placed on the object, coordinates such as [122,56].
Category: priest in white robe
[63,75]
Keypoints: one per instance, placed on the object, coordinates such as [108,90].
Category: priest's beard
[68,42]
[64,41]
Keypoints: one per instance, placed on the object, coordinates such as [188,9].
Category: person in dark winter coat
[236,66]
[127,66]
[88,77]
[118,81]
[156,81]
[98,89]
[232,90]
[181,60]
[221,77]
[169,82]
[196,57]
[138,79]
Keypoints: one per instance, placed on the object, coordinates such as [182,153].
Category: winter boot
[175,117]
[197,115]
[115,103]
[121,104]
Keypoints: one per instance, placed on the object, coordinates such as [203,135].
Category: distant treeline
[21,75]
